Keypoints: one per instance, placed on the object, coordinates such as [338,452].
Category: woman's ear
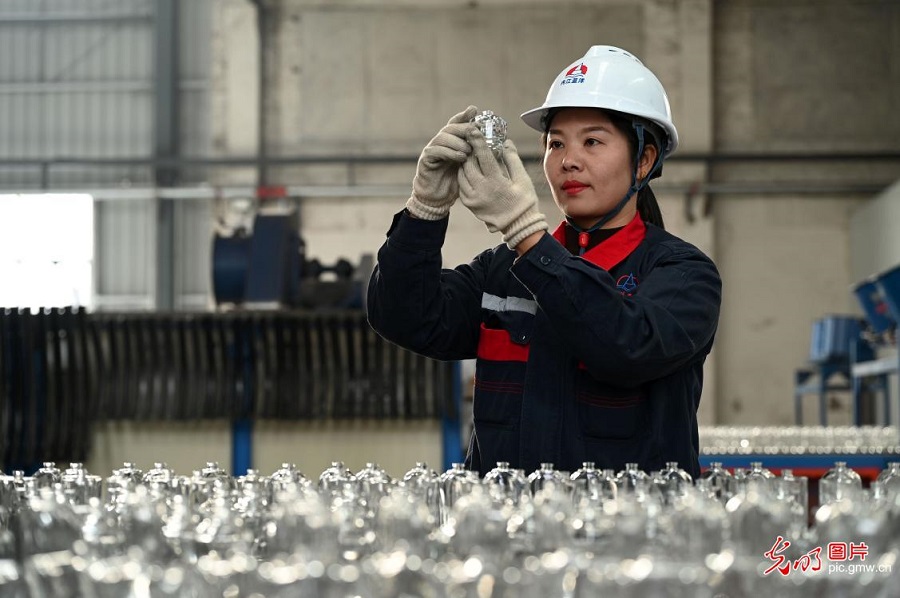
[648,159]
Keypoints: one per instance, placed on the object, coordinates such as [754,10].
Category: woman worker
[590,340]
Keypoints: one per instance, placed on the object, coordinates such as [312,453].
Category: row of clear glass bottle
[799,440]
[545,534]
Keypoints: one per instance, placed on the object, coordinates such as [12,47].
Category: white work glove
[500,194]
[435,186]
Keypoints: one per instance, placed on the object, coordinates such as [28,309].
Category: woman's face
[587,162]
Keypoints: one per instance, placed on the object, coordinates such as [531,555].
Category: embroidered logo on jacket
[627,283]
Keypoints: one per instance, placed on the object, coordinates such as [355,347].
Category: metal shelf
[879,369]
[876,367]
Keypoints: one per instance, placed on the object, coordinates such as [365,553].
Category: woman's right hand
[501,194]
[435,186]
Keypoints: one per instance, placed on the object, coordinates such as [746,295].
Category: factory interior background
[161,129]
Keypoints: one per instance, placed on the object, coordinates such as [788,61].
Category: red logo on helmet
[575,74]
[580,69]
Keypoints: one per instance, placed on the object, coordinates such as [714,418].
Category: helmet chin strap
[584,233]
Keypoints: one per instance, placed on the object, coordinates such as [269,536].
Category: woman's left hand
[505,202]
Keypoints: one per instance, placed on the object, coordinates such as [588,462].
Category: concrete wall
[785,263]
[874,238]
[796,76]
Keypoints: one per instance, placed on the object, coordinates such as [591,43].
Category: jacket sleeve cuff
[417,234]
[539,265]
[526,225]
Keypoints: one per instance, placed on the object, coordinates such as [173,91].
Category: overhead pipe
[691,189]
[204,192]
[65,18]
[265,160]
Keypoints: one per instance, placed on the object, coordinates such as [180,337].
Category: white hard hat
[609,78]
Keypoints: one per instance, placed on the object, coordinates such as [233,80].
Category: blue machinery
[267,268]
[844,351]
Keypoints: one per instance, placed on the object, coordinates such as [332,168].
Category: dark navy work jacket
[593,358]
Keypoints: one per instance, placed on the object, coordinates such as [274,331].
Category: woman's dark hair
[647,206]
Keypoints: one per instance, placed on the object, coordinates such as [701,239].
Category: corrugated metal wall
[77,99]
[76,82]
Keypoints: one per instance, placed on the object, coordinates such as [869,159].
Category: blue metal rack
[241,446]
[451,424]
[864,371]
[836,342]
[819,380]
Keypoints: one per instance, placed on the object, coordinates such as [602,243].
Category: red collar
[614,249]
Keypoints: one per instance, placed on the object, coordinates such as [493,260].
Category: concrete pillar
[679,50]
[235,87]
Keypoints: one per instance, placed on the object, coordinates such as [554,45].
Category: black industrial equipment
[63,369]
[267,267]
[260,267]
